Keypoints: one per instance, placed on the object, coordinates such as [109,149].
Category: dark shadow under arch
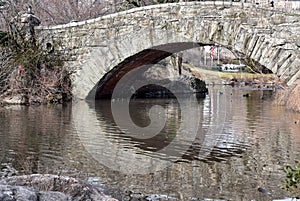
[105,87]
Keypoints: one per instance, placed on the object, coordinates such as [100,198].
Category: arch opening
[105,87]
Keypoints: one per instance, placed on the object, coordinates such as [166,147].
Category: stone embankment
[47,187]
[38,187]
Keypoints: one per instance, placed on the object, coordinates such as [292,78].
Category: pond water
[223,147]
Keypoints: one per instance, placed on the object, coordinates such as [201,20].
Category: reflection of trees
[217,139]
[35,135]
[253,109]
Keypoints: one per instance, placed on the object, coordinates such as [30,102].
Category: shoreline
[45,187]
[286,96]
[239,79]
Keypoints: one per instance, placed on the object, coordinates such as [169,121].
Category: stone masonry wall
[99,50]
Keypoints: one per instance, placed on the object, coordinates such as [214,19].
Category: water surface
[242,143]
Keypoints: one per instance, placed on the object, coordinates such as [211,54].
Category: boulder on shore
[47,187]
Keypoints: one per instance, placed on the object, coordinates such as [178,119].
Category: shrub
[292,180]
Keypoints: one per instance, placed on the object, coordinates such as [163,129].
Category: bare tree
[56,12]
[26,70]
[53,12]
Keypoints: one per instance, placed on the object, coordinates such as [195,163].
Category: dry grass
[218,77]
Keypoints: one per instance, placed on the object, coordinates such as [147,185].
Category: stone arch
[127,51]
[99,47]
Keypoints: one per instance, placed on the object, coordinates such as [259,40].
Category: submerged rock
[199,86]
[16,193]
[12,193]
[53,196]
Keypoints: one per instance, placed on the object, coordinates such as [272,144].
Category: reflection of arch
[111,154]
[209,150]
[104,88]
[139,110]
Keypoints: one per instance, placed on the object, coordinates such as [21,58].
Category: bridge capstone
[100,51]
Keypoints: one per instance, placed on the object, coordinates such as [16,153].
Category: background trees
[53,12]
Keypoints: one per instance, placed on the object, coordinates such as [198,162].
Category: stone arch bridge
[102,50]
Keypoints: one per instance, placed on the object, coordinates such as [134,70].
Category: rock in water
[53,196]
[13,193]
[38,187]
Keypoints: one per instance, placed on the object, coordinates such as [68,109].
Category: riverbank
[47,187]
[242,79]
[287,96]
[47,86]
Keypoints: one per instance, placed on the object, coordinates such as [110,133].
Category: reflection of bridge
[264,149]
[102,50]
[116,145]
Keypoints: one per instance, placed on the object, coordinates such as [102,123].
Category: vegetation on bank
[292,180]
[29,76]
[28,73]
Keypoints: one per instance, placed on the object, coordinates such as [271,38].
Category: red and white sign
[212,53]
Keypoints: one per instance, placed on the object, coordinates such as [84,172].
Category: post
[218,54]
[179,62]
[212,54]
[204,57]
